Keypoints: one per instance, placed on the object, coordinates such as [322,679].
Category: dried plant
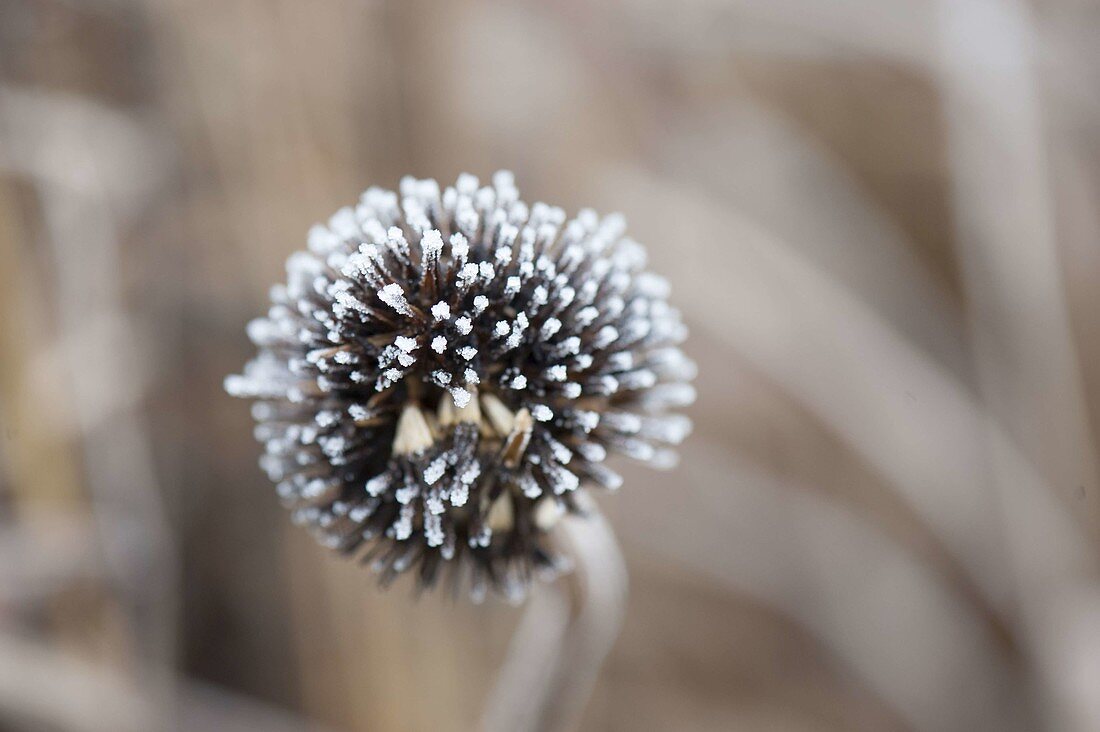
[443,370]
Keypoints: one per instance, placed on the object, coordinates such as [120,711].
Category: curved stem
[563,638]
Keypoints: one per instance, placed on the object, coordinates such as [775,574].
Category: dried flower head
[443,371]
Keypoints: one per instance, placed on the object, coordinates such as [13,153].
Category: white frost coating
[640,379]
[673,364]
[405,343]
[670,428]
[433,530]
[636,329]
[349,301]
[321,240]
[519,327]
[467,352]
[470,474]
[431,243]
[504,180]
[480,303]
[439,344]
[394,296]
[378,484]
[587,419]
[652,286]
[471,377]
[561,453]
[332,446]
[460,247]
[557,372]
[613,307]
[621,361]
[468,274]
[402,528]
[434,503]
[466,184]
[520,382]
[622,422]
[571,345]
[464,325]
[460,396]
[593,452]
[441,311]
[562,480]
[529,486]
[586,315]
[669,395]
[361,513]
[607,384]
[484,199]
[542,413]
[460,494]
[406,493]
[447,551]
[501,328]
[237,386]
[395,240]
[605,336]
[435,470]
[550,327]
[262,331]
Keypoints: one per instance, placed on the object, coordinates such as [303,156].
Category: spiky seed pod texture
[444,370]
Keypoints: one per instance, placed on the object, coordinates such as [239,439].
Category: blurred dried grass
[880,219]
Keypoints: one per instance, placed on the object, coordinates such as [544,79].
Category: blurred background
[880,219]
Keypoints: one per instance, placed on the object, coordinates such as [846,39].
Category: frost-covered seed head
[445,371]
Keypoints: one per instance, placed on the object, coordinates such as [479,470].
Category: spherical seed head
[443,371]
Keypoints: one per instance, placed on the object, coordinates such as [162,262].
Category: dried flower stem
[563,638]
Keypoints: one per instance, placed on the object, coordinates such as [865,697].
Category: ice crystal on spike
[446,370]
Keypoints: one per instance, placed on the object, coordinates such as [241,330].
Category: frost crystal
[394,296]
[445,369]
[441,310]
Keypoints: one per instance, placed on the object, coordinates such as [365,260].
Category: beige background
[879,218]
